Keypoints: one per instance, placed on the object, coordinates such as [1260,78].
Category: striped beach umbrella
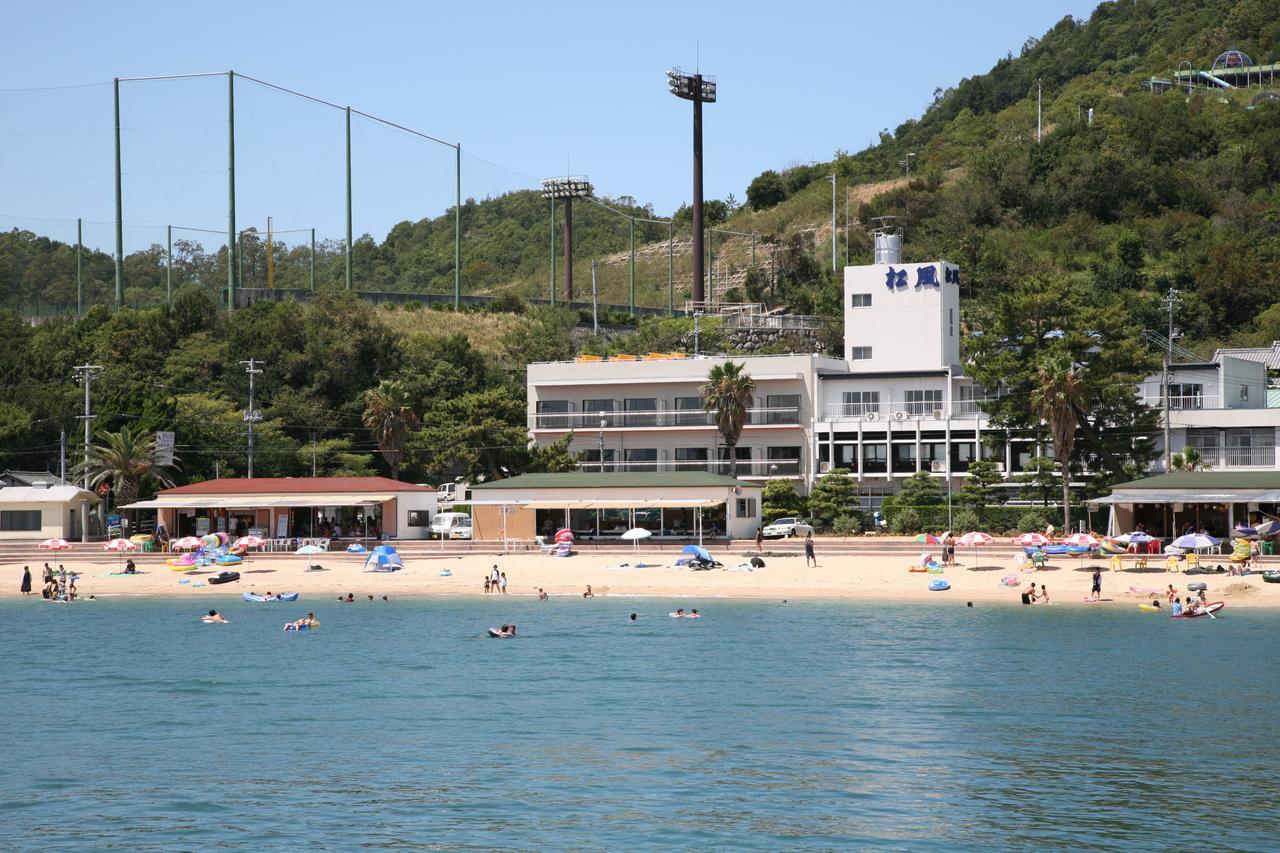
[55,544]
[120,545]
[927,539]
[186,543]
[1083,539]
[1032,540]
[973,539]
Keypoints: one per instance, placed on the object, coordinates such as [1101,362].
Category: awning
[606,503]
[1235,496]
[260,501]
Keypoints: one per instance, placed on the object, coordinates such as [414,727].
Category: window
[20,519]
[1184,395]
[419,518]
[691,459]
[923,402]
[859,353]
[641,459]
[931,453]
[783,461]
[595,411]
[875,458]
[589,459]
[782,409]
[951,322]
[746,507]
[857,404]
[641,411]
[971,399]
[1244,392]
[1250,447]
[961,456]
[742,455]
[904,458]
[690,411]
[860,300]
[553,414]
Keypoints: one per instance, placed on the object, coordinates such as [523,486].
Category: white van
[451,525]
[449,493]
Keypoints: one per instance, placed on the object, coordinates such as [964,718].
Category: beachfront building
[39,506]
[295,507]
[1214,501]
[601,506]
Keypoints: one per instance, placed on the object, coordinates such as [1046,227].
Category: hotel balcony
[1219,458]
[898,411]
[656,419]
[748,469]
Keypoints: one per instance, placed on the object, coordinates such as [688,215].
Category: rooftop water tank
[888,246]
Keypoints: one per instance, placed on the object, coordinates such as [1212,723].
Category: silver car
[783,528]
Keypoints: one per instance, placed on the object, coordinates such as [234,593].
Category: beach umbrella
[634,535]
[55,544]
[927,539]
[120,545]
[973,539]
[309,550]
[186,543]
[1244,532]
[1084,539]
[564,534]
[1268,528]
[695,552]
[1137,537]
[1194,542]
[1032,540]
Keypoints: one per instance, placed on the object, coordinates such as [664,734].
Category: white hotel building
[897,403]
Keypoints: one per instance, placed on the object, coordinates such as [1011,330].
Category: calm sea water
[129,724]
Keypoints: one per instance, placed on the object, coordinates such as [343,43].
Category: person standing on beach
[1096,591]
[486,585]
[502,584]
[494,577]
[808,551]
[25,589]
[759,540]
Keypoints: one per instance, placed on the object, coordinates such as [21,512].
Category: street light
[906,162]
[603,423]
[567,189]
[701,90]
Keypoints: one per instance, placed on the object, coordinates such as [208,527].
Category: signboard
[164,448]
[202,526]
[282,526]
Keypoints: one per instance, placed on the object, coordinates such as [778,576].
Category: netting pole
[313,260]
[633,266]
[553,251]
[168,266]
[671,273]
[457,228]
[348,198]
[232,255]
[79,267]
[119,209]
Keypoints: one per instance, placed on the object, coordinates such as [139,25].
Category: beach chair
[1193,560]
[1142,561]
[1171,563]
[1038,559]
[1153,547]
[1117,564]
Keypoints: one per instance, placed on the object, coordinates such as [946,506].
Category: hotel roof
[293,486]
[621,480]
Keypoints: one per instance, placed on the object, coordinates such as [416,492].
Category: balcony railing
[652,418]
[900,410]
[746,467]
[1238,457]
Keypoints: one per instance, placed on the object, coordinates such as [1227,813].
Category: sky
[529,90]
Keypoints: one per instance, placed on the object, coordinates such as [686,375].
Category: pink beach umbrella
[120,545]
[186,543]
[250,542]
[1085,539]
[973,539]
[1032,540]
[55,544]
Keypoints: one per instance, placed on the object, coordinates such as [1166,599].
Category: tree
[1190,459]
[834,495]
[728,393]
[126,459]
[1038,479]
[980,489]
[920,489]
[780,500]
[1056,400]
[766,190]
[480,435]
[388,415]
[555,458]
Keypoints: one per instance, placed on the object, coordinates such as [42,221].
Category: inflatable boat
[501,634]
[284,596]
[225,577]
[939,586]
[1208,610]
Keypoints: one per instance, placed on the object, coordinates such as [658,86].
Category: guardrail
[650,418]
[746,467]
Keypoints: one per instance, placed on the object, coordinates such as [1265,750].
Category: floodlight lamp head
[691,87]
[577,186]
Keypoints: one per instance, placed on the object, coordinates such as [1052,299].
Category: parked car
[783,528]
[451,525]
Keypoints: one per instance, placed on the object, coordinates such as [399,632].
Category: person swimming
[679,614]
[694,615]
[213,616]
[542,594]
[1177,607]
[633,617]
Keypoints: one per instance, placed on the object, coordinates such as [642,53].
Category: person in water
[1171,594]
[1155,602]
[633,617]
[542,595]
[1177,607]
[215,616]
[1029,595]
[695,614]
[588,593]
[1044,595]
[679,614]
[350,598]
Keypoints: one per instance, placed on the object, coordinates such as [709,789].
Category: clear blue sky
[533,89]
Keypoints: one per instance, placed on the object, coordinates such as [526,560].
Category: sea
[127,723]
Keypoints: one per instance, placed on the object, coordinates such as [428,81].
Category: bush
[1030,522]
[413,305]
[905,521]
[964,520]
[847,525]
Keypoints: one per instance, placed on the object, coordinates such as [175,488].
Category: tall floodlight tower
[701,90]
[567,189]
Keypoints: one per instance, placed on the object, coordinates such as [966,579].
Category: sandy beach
[976,578]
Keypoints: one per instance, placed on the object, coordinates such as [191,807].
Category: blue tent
[695,552]
[383,549]
[383,562]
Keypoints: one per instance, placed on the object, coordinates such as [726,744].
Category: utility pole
[313,260]
[168,266]
[1039,98]
[79,269]
[271,267]
[62,454]
[595,308]
[348,198]
[119,209]
[833,222]
[697,316]
[233,256]
[1170,300]
[251,415]
[86,373]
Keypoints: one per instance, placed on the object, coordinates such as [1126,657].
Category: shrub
[905,521]
[413,305]
[964,520]
[847,525]
[1031,521]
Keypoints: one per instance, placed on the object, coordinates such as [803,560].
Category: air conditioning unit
[939,414]
[999,467]
[872,416]
[938,467]
[899,416]
[824,467]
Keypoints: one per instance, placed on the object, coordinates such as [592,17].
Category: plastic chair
[1153,547]
[1171,563]
[1117,564]
[1142,561]
[1038,559]
[1193,560]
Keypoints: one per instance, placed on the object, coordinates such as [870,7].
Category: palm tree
[1056,400]
[727,392]
[126,458]
[1189,459]
[388,415]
